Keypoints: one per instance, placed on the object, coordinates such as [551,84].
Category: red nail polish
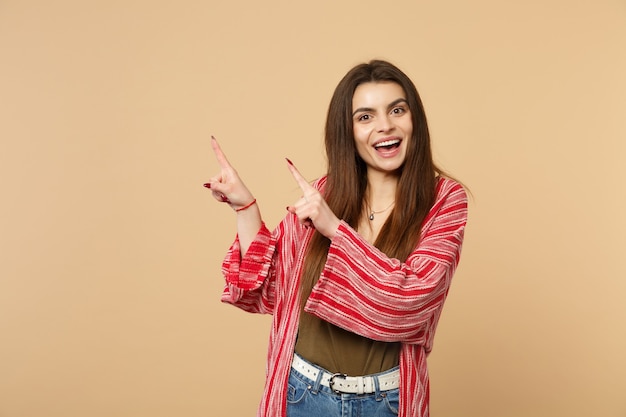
[207,185]
[289,162]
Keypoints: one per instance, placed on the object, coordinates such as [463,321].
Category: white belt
[343,384]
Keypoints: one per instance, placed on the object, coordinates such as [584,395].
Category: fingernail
[207,185]
[213,137]
[289,162]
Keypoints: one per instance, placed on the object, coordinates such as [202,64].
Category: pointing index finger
[302,182]
[219,154]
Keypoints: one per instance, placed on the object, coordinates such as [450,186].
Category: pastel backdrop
[110,248]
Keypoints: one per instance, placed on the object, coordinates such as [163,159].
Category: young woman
[357,272]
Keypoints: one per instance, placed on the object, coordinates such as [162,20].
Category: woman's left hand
[311,209]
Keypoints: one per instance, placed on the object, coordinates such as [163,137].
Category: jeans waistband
[344,384]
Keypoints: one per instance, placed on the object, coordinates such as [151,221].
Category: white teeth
[387,143]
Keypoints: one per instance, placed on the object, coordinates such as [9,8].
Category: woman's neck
[381,190]
[379,201]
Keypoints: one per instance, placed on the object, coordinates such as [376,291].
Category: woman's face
[382,125]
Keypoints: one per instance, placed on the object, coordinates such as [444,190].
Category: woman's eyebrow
[360,109]
[369,109]
[396,102]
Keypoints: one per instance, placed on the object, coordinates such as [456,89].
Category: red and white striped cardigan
[360,289]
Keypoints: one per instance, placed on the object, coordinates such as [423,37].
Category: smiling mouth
[388,144]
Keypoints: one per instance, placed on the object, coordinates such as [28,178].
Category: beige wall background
[110,248]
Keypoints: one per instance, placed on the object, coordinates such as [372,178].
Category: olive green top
[338,350]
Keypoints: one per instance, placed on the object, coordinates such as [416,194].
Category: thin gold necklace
[372,212]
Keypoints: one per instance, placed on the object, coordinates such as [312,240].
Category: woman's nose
[384,124]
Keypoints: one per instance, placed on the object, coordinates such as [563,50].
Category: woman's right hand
[227,187]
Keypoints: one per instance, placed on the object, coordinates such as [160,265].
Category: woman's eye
[363,118]
[398,110]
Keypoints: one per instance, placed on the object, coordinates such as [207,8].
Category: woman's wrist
[247,206]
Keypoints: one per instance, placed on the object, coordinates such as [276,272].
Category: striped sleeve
[250,280]
[366,292]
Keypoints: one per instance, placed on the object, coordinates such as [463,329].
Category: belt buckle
[331,381]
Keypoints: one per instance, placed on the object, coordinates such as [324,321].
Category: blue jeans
[308,398]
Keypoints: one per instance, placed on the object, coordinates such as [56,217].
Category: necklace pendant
[372,216]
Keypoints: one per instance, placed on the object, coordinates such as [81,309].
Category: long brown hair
[347,172]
